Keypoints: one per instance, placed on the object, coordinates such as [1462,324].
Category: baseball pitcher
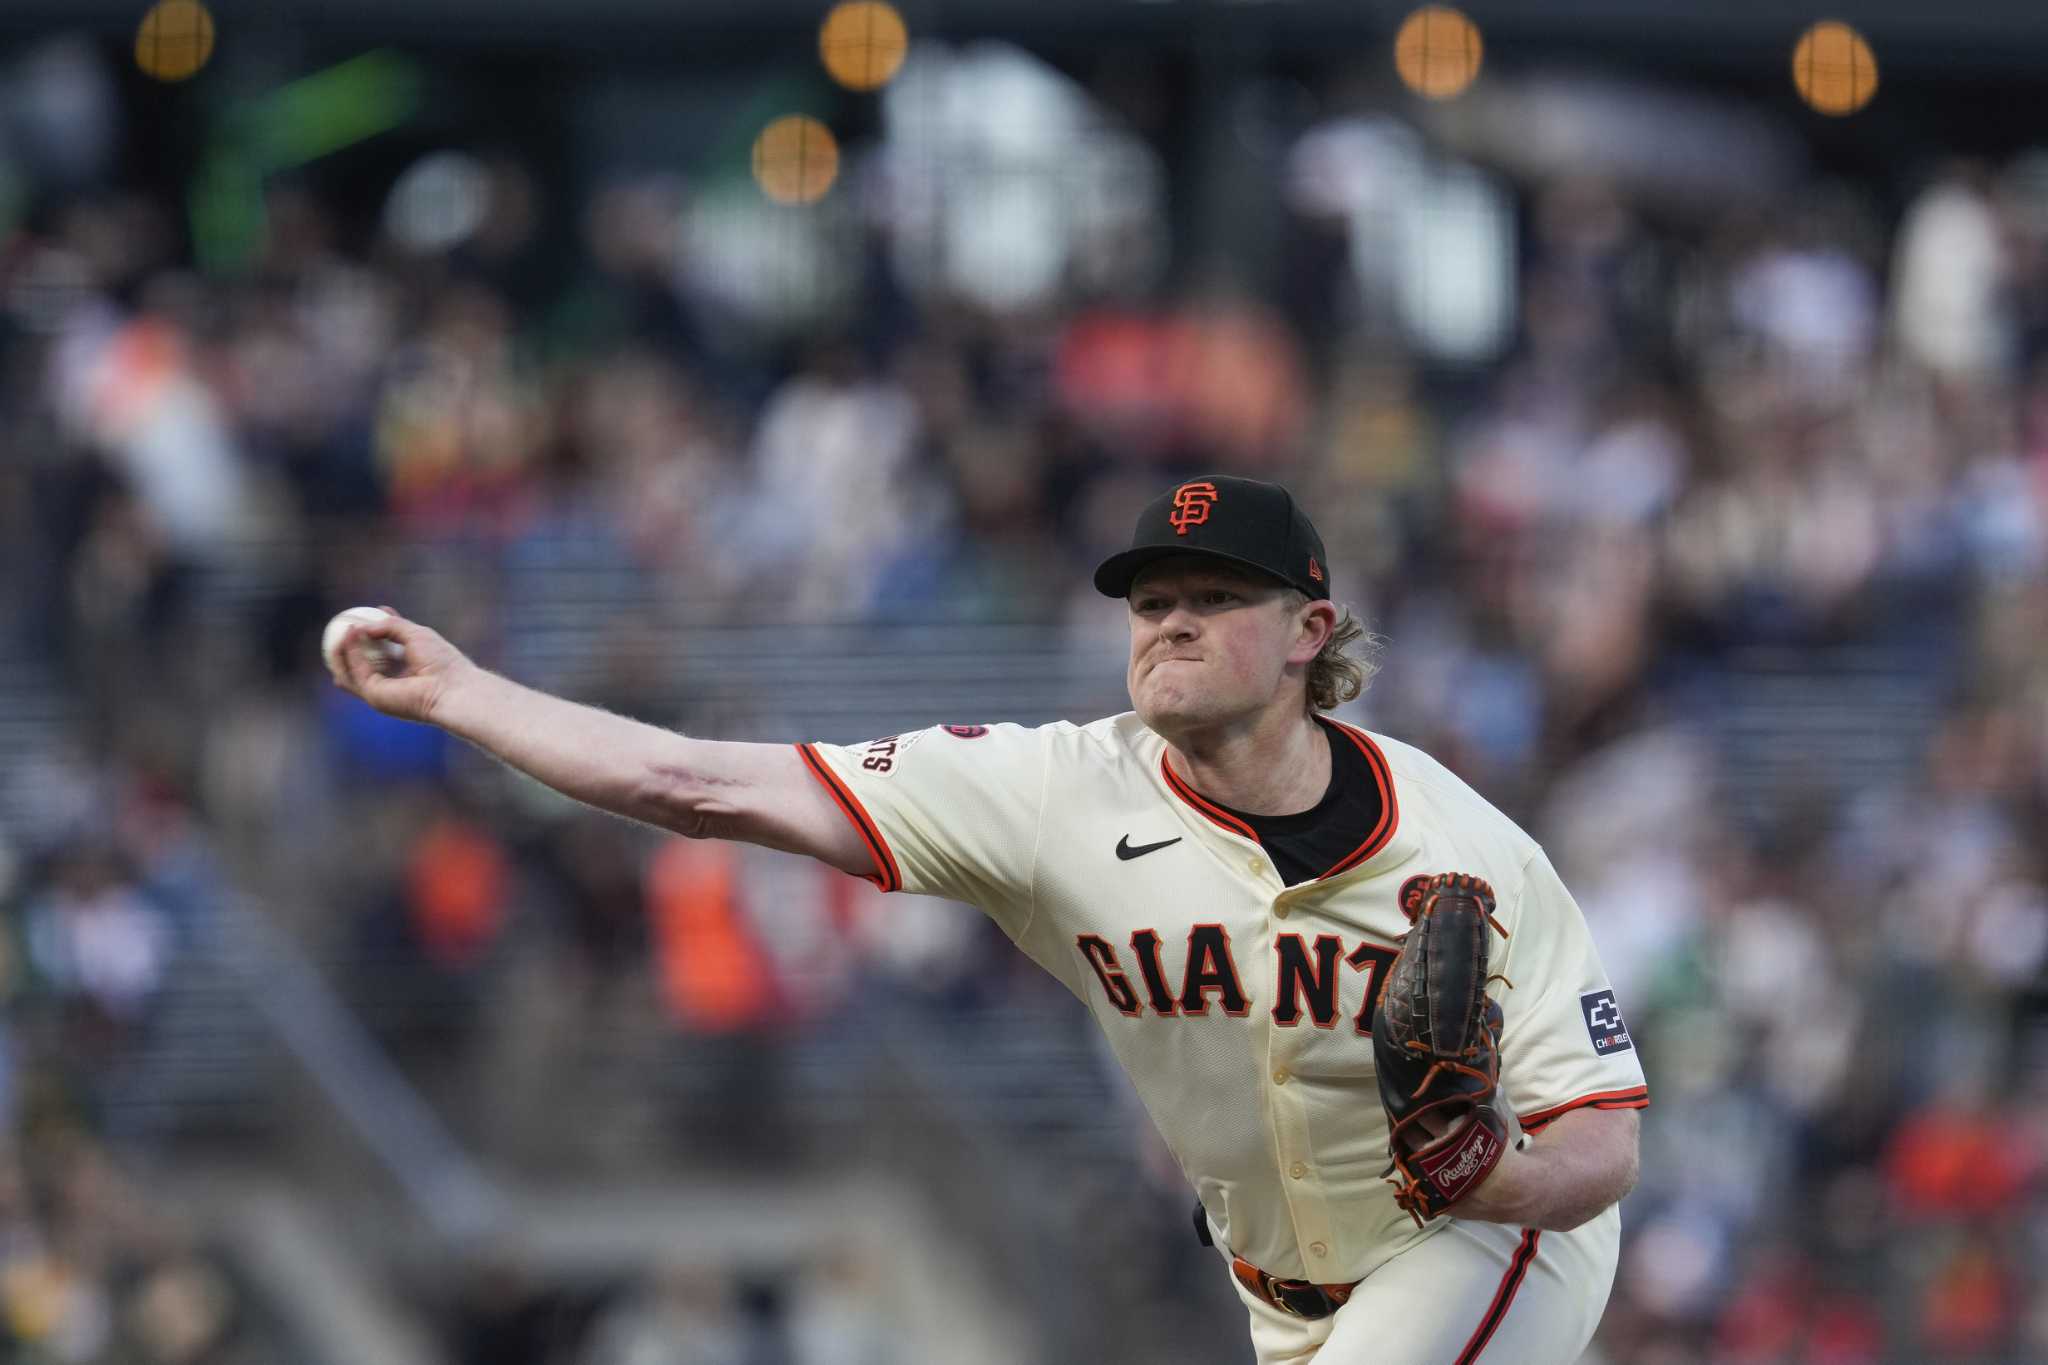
[1363,1010]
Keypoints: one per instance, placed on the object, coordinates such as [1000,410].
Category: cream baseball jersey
[1240,1007]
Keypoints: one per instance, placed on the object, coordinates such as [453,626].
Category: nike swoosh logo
[1126,852]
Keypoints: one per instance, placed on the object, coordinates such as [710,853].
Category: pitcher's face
[1209,643]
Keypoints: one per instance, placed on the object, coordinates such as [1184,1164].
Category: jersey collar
[1381,834]
[1376,839]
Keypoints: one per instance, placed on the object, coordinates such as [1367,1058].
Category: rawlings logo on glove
[1436,1043]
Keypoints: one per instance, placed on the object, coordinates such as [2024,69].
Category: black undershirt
[1305,845]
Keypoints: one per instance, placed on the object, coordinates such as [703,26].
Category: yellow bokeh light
[796,159]
[1438,52]
[175,39]
[862,43]
[1834,68]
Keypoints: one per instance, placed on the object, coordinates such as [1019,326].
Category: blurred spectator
[98,943]
[681,1317]
[838,495]
[715,977]
[1951,273]
[837,1317]
[456,889]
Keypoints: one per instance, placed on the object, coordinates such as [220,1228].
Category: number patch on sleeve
[1604,1023]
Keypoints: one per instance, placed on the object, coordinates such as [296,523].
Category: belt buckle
[1285,1293]
[1296,1298]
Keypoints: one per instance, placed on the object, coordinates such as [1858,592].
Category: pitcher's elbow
[673,798]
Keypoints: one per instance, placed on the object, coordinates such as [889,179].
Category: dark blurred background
[1687,445]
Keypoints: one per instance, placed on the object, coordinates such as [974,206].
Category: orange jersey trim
[1390,808]
[886,875]
[1637,1097]
[1503,1297]
[1201,803]
[1376,838]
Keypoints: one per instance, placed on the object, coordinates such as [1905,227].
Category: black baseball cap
[1241,521]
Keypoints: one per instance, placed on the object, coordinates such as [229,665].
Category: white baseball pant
[1473,1292]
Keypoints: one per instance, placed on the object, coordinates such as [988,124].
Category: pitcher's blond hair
[1345,668]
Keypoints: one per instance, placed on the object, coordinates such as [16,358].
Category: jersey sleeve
[1564,1044]
[950,811]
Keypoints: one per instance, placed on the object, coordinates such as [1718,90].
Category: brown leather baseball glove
[1436,1042]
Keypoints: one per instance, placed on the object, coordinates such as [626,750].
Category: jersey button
[1279,1075]
[1255,865]
[1318,1249]
[1280,909]
[1298,1169]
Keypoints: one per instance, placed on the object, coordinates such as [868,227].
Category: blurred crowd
[1733,478]
[94,1265]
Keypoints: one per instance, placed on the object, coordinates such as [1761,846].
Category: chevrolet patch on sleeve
[1604,1023]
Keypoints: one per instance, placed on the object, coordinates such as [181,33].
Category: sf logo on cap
[1191,503]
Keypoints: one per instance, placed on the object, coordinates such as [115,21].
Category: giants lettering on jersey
[1305,976]
[882,756]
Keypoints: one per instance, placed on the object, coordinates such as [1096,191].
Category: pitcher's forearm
[707,789]
[1569,1174]
[609,761]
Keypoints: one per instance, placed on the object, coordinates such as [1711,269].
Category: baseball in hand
[384,654]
